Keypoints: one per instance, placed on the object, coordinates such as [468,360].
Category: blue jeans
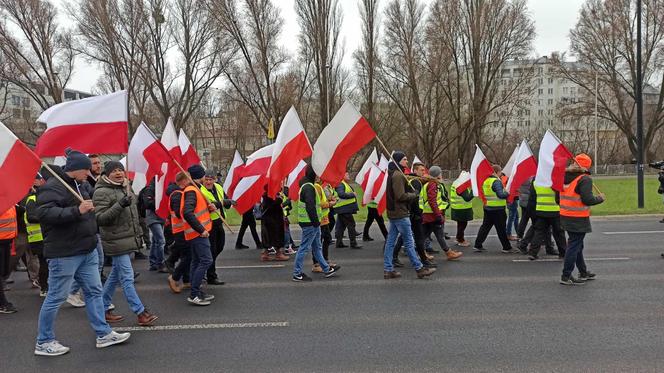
[574,254]
[158,243]
[99,249]
[122,274]
[62,273]
[400,226]
[287,233]
[310,241]
[201,259]
[512,217]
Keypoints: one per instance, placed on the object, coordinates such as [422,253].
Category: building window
[550,80]
[540,81]
[550,91]
[549,112]
[527,123]
[16,100]
[550,101]
[540,91]
[540,112]
[26,102]
[565,90]
[573,90]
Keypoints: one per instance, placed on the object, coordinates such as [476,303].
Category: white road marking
[560,260]
[253,266]
[633,232]
[204,326]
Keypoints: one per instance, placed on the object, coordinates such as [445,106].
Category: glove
[125,201]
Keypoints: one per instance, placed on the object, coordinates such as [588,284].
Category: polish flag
[363,176]
[373,184]
[293,182]
[169,138]
[171,141]
[249,189]
[233,174]
[290,147]
[138,180]
[462,182]
[189,155]
[525,166]
[91,125]
[480,170]
[381,195]
[18,167]
[383,163]
[146,153]
[553,157]
[507,170]
[344,136]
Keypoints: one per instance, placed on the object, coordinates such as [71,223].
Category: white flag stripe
[372,159]
[477,160]
[293,176]
[7,141]
[507,170]
[98,109]
[169,137]
[237,162]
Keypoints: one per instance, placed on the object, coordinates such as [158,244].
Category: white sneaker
[52,348]
[198,301]
[111,307]
[111,339]
[289,251]
[76,300]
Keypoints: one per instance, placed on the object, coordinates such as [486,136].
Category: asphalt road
[488,312]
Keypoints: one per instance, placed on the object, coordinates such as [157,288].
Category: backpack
[258,213]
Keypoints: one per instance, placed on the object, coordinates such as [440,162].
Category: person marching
[528,214]
[120,231]
[195,210]
[495,197]
[214,193]
[512,213]
[35,236]
[433,202]
[310,213]
[8,232]
[461,207]
[181,248]
[373,215]
[547,219]
[345,208]
[575,202]
[325,204]
[248,221]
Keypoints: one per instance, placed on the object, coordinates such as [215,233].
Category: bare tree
[37,51]
[366,57]
[603,44]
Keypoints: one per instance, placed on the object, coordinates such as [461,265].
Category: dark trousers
[217,241]
[346,221]
[146,233]
[372,214]
[574,254]
[37,249]
[497,219]
[526,215]
[541,227]
[418,237]
[438,230]
[5,255]
[461,231]
[248,221]
[530,234]
[326,237]
[182,251]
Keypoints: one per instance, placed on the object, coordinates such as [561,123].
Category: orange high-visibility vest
[503,179]
[177,224]
[201,212]
[570,201]
[8,226]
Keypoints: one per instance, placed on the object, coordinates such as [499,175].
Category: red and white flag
[416,160]
[344,136]
[18,167]
[189,155]
[363,176]
[507,170]
[138,180]
[383,163]
[91,125]
[381,196]
[480,170]
[293,182]
[169,138]
[250,188]
[524,167]
[372,185]
[146,153]
[553,157]
[290,147]
[462,183]
[233,174]
[171,141]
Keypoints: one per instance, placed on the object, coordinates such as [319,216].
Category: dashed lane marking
[560,260]
[277,324]
[253,266]
[632,232]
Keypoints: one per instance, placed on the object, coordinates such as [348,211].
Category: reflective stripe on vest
[425,206]
[492,199]
[177,224]
[546,199]
[323,200]
[287,208]
[457,202]
[345,202]
[8,226]
[571,204]
[211,198]
[34,230]
[302,215]
[200,211]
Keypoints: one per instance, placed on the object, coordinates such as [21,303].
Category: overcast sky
[553,20]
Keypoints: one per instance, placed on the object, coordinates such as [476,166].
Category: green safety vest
[286,207]
[372,205]
[345,202]
[34,230]
[457,202]
[491,197]
[210,197]
[546,199]
[323,199]
[424,199]
[302,215]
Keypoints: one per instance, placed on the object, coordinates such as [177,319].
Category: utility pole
[639,109]
[596,114]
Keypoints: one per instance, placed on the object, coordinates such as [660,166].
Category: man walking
[373,215]
[214,193]
[156,226]
[345,208]
[70,238]
[248,221]
[8,232]
[495,197]
[547,218]
[575,202]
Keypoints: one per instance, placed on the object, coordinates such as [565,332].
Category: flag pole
[80,198]
[399,168]
[184,171]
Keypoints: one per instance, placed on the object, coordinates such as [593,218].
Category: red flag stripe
[105,138]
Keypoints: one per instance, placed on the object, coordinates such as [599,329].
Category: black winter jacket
[66,232]
[308,197]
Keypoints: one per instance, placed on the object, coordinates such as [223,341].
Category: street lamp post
[596,114]
[639,110]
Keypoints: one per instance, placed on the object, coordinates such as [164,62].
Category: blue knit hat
[76,160]
[196,171]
